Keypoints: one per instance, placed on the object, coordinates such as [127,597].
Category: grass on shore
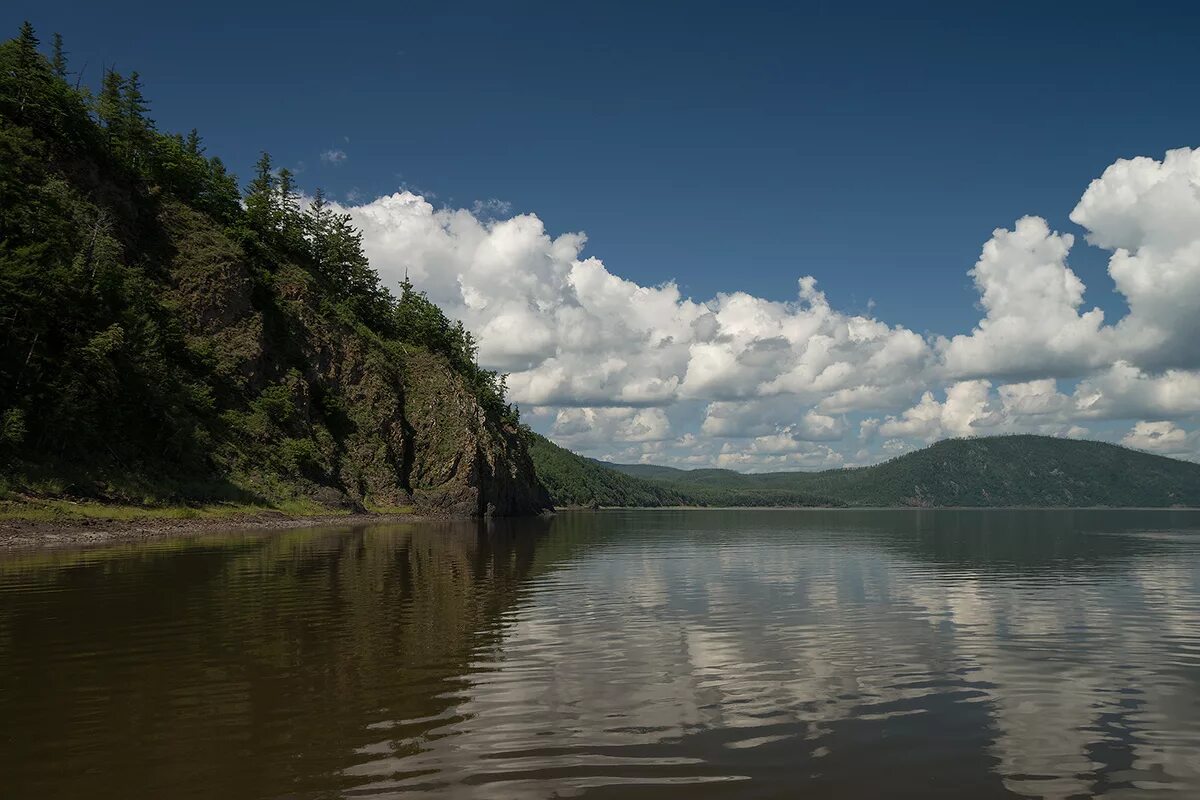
[60,510]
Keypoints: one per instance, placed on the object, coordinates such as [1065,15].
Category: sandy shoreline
[16,534]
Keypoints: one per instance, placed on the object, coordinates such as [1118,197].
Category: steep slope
[167,339]
[990,471]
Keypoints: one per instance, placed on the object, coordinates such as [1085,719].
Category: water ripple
[765,654]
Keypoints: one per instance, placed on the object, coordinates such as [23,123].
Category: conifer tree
[286,182]
[260,196]
[287,192]
[319,209]
[27,37]
[316,226]
[27,47]
[27,66]
[220,195]
[290,221]
[264,176]
[137,126]
[108,107]
[59,62]
[134,102]
[218,168]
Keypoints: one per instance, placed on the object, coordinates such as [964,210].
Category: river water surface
[679,654]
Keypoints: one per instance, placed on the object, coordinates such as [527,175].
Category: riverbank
[59,523]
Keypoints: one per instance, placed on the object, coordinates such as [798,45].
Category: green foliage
[122,251]
[573,480]
[262,213]
[58,62]
[12,427]
[992,471]
[335,247]
[201,182]
[420,322]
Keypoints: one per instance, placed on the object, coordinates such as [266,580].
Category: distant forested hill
[992,471]
[573,480]
[166,335]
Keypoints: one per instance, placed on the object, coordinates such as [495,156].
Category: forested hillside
[573,480]
[989,471]
[170,337]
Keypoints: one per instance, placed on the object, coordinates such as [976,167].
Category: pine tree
[59,62]
[218,168]
[133,103]
[287,192]
[264,177]
[192,143]
[137,126]
[28,72]
[291,222]
[316,227]
[220,195]
[261,210]
[109,110]
[27,47]
[319,209]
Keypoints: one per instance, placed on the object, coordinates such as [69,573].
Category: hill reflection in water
[744,653]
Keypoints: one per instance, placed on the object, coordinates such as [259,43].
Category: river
[677,654]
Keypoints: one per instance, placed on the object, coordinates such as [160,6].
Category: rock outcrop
[388,425]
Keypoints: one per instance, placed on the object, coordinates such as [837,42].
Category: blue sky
[874,148]
[727,148]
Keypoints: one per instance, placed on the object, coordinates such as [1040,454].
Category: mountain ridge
[1001,471]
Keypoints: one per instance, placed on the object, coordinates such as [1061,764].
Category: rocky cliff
[168,336]
[382,424]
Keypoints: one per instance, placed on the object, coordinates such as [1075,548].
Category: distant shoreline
[16,533]
[881,508]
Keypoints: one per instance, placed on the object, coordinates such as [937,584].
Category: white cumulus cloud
[1032,299]
[616,366]
[1146,212]
[1164,438]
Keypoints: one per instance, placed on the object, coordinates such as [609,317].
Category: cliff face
[387,425]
